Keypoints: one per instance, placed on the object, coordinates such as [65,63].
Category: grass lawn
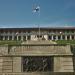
[19,42]
[10,42]
[65,42]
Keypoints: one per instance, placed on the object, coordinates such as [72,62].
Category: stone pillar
[57,64]
[12,37]
[3,37]
[45,36]
[26,37]
[52,37]
[61,37]
[70,37]
[21,37]
[34,37]
[56,37]
[65,37]
[8,37]
[17,66]
[17,37]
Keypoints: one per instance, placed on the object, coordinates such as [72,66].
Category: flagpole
[36,9]
[39,31]
[39,24]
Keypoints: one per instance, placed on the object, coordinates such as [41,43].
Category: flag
[36,9]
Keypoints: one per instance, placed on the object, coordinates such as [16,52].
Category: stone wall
[3,49]
[40,50]
[74,63]
[11,56]
[63,64]
[17,64]
[6,64]
[14,64]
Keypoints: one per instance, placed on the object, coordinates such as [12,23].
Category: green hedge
[10,42]
[65,41]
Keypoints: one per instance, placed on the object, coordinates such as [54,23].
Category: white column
[21,37]
[65,37]
[70,37]
[12,37]
[52,37]
[17,37]
[30,37]
[46,37]
[8,37]
[3,37]
[26,37]
[56,37]
[61,37]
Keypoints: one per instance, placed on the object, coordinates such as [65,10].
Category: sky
[19,13]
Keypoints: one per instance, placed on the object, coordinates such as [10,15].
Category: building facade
[23,34]
[37,57]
